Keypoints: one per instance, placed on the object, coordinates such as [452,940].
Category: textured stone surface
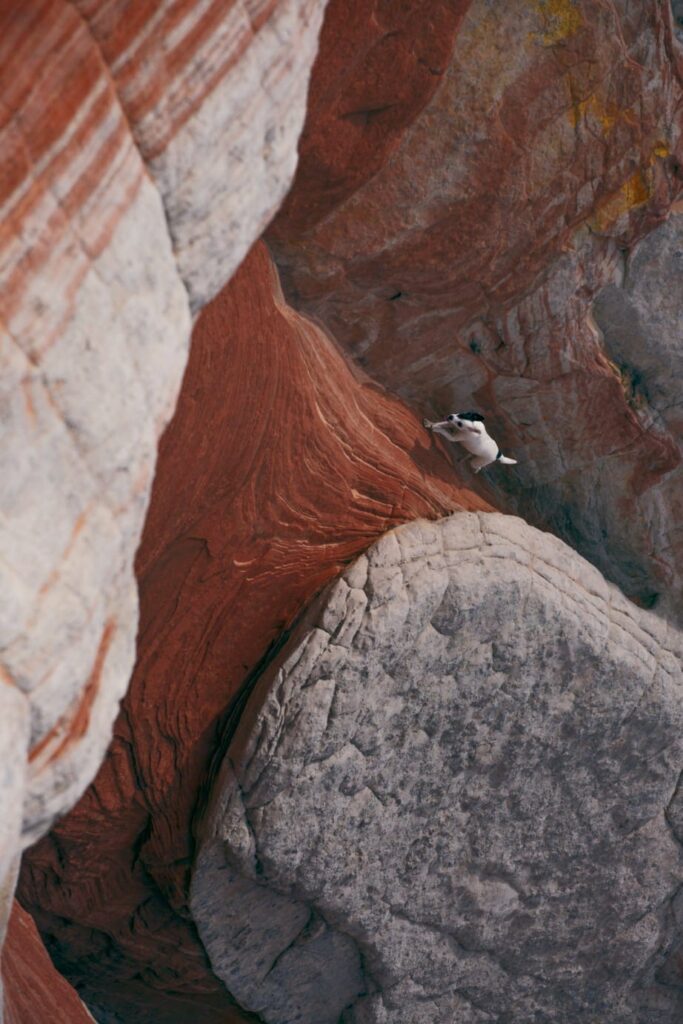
[142,150]
[215,94]
[462,273]
[640,318]
[14,733]
[379,64]
[279,467]
[33,990]
[94,338]
[96,318]
[450,798]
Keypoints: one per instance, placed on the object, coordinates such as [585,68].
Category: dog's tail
[507,462]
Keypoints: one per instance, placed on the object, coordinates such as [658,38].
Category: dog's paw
[427,423]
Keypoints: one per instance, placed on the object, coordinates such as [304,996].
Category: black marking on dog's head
[474,417]
[499,454]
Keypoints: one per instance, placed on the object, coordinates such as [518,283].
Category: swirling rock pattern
[137,150]
[463,272]
[279,466]
[455,796]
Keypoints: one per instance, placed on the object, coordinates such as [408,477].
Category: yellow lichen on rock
[635,191]
[606,114]
[561,19]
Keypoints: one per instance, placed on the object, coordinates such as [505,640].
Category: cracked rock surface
[452,797]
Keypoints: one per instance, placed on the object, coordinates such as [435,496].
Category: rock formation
[450,798]
[141,157]
[35,991]
[278,468]
[486,214]
[463,272]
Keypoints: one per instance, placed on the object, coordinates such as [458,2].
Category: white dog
[467,428]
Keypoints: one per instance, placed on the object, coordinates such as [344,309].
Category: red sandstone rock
[380,63]
[143,147]
[462,273]
[279,466]
[460,270]
[33,990]
[215,95]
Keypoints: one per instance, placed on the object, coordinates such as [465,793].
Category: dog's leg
[443,427]
[445,431]
[480,463]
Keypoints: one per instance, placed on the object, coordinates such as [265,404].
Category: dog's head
[462,419]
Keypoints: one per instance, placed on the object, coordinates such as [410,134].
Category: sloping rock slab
[451,799]
[32,988]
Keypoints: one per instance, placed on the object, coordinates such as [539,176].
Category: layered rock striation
[136,151]
[480,218]
[215,95]
[34,991]
[463,272]
[279,466]
[455,795]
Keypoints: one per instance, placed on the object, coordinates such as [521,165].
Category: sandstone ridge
[125,176]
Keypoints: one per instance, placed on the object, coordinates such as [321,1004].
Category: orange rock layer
[279,467]
[33,989]
[380,62]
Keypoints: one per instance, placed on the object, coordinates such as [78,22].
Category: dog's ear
[473,417]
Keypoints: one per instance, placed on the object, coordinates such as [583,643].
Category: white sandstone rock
[468,810]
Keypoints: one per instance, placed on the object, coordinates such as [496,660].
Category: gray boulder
[455,797]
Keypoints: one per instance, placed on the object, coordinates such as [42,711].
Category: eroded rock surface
[379,65]
[278,468]
[454,797]
[215,94]
[93,340]
[140,156]
[33,990]
[640,317]
[462,273]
